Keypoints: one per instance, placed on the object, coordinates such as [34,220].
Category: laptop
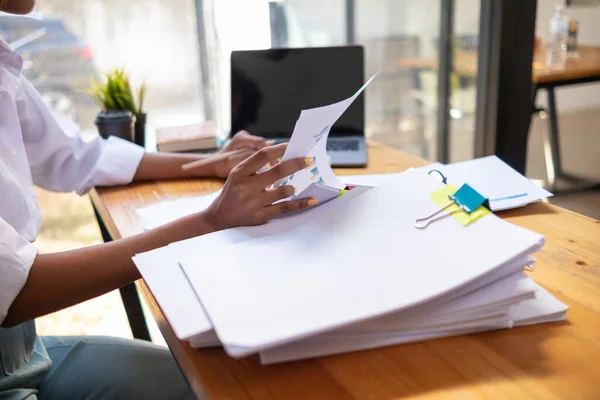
[269,88]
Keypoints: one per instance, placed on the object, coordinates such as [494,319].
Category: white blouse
[36,149]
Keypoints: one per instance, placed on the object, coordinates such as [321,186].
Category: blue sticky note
[468,198]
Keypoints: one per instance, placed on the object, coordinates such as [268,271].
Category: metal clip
[421,223]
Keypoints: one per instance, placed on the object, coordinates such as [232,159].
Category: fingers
[286,207]
[244,139]
[261,158]
[237,158]
[269,166]
[283,170]
[278,193]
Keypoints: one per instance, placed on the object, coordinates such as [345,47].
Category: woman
[35,149]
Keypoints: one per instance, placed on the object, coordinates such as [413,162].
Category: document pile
[355,273]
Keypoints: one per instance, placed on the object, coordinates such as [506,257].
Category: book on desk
[198,137]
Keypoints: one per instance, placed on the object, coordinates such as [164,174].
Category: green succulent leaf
[115,93]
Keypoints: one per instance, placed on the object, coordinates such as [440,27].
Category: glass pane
[397,35]
[265,24]
[463,84]
[231,25]
[307,28]
[66,43]
[399,39]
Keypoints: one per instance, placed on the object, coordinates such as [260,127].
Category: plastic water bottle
[556,55]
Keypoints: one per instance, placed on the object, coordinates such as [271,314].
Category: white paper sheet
[170,287]
[494,179]
[179,303]
[545,308]
[489,175]
[169,284]
[371,180]
[330,347]
[321,193]
[309,139]
[285,223]
[362,260]
[175,295]
[539,309]
[170,210]
[488,299]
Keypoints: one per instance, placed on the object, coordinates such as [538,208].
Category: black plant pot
[115,123]
[140,130]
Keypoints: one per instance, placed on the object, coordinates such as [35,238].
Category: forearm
[157,166]
[60,280]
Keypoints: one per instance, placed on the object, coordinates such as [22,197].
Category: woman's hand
[225,162]
[241,146]
[156,166]
[243,140]
[247,198]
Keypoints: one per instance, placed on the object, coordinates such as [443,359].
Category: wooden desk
[557,360]
[465,63]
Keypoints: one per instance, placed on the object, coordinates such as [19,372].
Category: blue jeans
[85,367]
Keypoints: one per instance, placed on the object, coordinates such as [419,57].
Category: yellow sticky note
[440,197]
[342,192]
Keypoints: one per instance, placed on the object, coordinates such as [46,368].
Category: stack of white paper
[353,273]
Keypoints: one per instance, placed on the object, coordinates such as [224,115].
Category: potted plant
[114,94]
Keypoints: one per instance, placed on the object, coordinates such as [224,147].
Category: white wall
[573,98]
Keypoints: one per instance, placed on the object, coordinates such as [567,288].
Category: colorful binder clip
[466,198]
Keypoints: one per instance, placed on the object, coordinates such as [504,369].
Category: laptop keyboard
[343,145]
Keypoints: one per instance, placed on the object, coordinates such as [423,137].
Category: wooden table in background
[583,66]
[548,361]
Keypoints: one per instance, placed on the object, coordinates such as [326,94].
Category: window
[67,43]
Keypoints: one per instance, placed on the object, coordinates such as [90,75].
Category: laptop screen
[269,88]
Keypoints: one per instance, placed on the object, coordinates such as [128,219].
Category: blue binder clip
[466,198]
